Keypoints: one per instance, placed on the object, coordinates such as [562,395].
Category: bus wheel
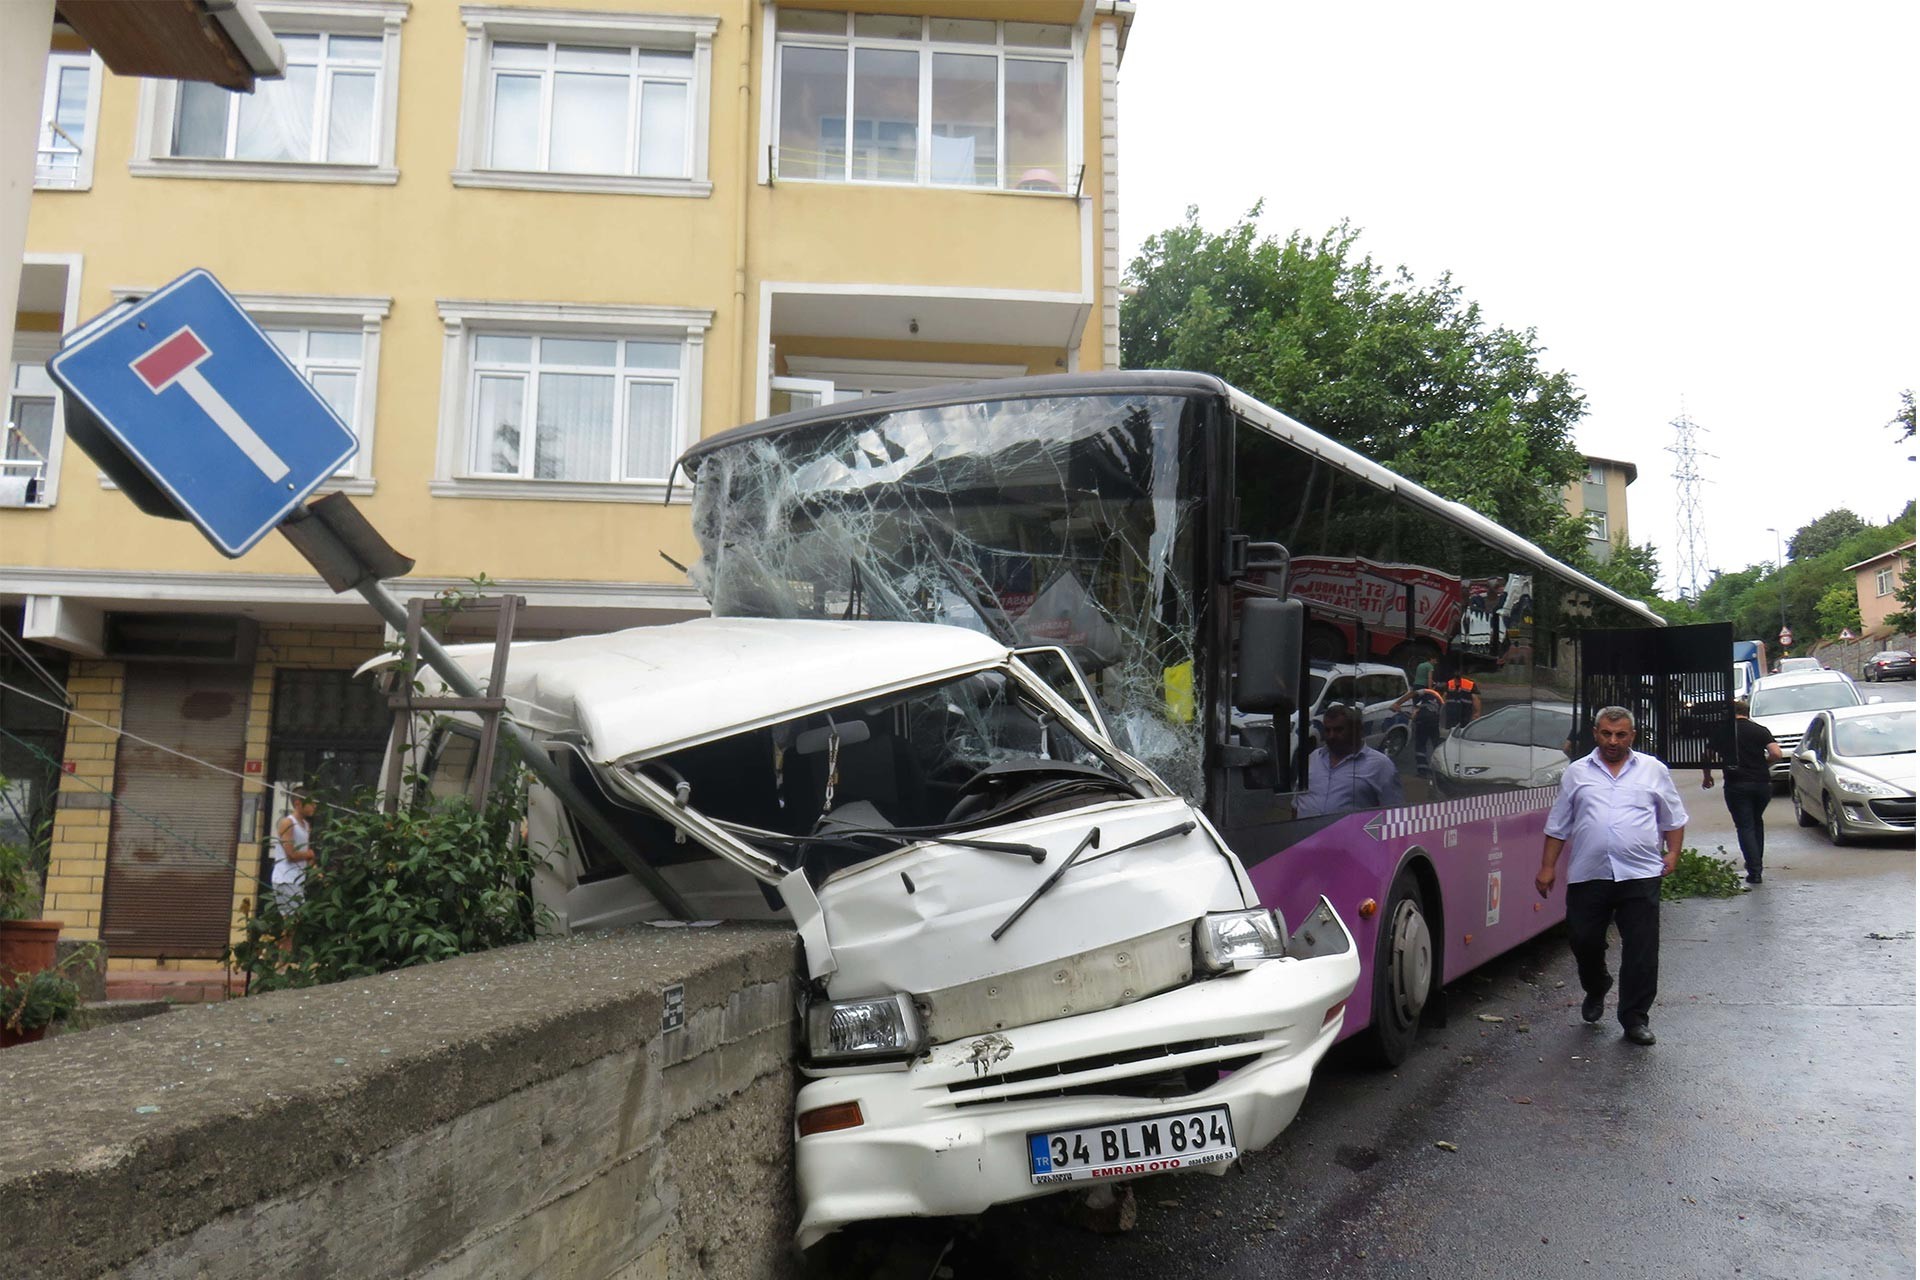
[1402,971]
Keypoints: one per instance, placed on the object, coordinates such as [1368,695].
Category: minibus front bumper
[951,1134]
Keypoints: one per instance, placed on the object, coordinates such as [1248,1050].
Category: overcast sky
[1702,207]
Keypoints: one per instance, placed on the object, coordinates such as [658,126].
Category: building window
[585,109]
[575,408]
[552,401]
[332,117]
[1883,581]
[27,449]
[929,101]
[69,111]
[1597,526]
[566,101]
[334,341]
[1593,474]
[333,361]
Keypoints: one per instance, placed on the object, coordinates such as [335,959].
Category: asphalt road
[1769,1133]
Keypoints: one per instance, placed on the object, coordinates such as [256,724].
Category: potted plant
[32,1002]
[26,942]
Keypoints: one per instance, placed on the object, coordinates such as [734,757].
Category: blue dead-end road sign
[185,386]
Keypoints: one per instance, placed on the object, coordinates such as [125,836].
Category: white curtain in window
[496,424]
[663,130]
[651,439]
[589,124]
[573,427]
[350,118]
[276,119]
[516,122]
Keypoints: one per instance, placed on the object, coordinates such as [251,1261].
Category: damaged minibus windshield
[837,787]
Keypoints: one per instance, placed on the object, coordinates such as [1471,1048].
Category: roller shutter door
[170,851]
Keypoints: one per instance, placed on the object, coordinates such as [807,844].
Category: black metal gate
[1677,681]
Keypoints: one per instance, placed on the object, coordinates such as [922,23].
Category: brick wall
[77,854]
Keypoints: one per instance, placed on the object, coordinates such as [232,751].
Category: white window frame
[486,24]
[1074,56]
[37,348]
[159,99]
[323,311]
[31,351]
[89,144]
[1597,526]
[464,318]
[1883,581]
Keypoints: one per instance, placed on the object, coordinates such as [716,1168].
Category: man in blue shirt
[1346,774]
[1623,818]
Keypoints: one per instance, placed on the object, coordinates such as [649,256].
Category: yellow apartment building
[528,253]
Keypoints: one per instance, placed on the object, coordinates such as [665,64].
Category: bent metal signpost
[195,414]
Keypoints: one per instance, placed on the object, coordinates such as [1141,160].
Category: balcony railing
[21,481]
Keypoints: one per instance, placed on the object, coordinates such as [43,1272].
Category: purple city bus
[1221,572]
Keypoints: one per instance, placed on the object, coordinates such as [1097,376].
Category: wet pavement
[1769,1133]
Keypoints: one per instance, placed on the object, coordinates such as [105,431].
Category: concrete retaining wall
[514,1114]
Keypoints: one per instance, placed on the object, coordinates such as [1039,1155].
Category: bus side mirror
[1272,636]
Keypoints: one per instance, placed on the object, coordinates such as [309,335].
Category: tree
[1823,534]
[1410,375]
[1903,421]
[1839,609]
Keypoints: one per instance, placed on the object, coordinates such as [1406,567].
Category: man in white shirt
[1623,817]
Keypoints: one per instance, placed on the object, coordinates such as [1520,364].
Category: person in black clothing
[1749,785]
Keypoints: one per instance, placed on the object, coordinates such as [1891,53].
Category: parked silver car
[1853,772]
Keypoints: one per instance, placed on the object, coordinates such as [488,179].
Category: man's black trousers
[1633,905]
[1746,802]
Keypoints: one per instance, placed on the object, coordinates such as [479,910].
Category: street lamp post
[1786,636]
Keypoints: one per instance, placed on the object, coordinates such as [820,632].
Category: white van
[1029,963]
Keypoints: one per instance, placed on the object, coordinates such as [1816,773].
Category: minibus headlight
[1240,939]
[855,1030]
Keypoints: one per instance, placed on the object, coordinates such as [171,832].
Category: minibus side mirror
[1272,633]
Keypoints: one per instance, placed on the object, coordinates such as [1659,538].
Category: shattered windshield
[1064,520]
[839,786]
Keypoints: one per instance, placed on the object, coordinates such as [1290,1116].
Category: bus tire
[1403,971]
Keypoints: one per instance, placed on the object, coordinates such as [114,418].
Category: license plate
[1125,1148]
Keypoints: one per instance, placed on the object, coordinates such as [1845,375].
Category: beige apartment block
[1600,497]
[528,253]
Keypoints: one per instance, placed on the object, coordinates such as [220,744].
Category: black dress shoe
[1754,878]
[1640,1033]
[1592,1007]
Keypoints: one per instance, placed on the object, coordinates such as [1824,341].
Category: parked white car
[1786,704]
[1029,963]
[1854,772]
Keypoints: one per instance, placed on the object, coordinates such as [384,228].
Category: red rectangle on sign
[253,766]
[170,359]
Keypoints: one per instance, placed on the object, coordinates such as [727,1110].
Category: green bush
[387,891]
[1700,875]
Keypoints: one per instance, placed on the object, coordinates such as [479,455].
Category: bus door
[1677,681]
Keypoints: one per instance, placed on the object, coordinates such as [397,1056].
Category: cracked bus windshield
[1065,521]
